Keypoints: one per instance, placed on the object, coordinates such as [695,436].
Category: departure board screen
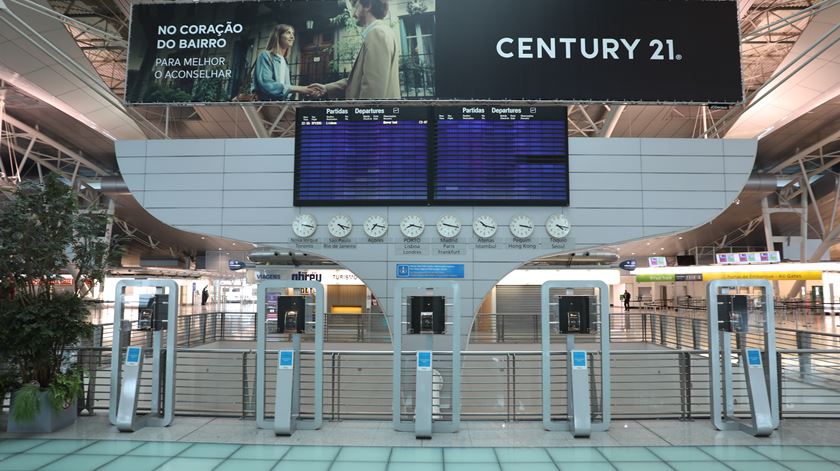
[362,156]
[464,155]
[501,155]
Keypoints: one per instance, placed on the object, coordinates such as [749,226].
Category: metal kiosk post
[291,319]
[742,314]
[157,313]
[576,315]
[420,325]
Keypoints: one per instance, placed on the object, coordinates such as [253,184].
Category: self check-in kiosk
[427,333]
[580,309]
[157,310]
[299,308]
[742,310]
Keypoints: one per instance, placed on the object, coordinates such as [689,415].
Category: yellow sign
[764,275]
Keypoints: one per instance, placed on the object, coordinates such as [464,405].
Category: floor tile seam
[332,463]
[53,461]
[65,455]
[108,462]
[42,441]
[224,460]
[163,463]
[605,457]
[654,433]
[754,448]
[551,457]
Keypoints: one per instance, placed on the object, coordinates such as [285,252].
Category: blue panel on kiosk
[579,359]
[424,360]
[287,359]
[753,357]
[132,355]
[430,270]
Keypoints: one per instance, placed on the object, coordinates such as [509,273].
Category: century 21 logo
[592,48]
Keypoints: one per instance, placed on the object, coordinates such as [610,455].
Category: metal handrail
[500,385]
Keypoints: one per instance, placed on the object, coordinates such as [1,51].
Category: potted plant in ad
[52,252]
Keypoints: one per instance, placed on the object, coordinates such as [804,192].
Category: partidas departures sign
[565,50]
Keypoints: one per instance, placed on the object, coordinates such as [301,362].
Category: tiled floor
[218,444]
[124,455]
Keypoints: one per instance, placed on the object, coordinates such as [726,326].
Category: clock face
[521,226]
[412,226]
[304,225]
[449,226]
[557,226]
[376,226]
[340,225]
[485,226]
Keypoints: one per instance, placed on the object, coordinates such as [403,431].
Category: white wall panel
[739,165]
[622,189]
[612,146]
[673,164]
[182,147]
[195,216]
[258,181]
[684,199]
[130,165]
[235,147]
[169,182]
[281,216]
[678,217]
[605,181]
[259,163]
[256,198]
[183,164]
[683,181]
[599,163]
[183,199]
[675,147]
[606,198]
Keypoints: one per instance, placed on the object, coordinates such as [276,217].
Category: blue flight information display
[362,156]
[501,155]
[418,156]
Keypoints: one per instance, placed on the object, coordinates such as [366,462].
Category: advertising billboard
[395,50]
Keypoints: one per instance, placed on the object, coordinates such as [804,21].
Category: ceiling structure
[62,80]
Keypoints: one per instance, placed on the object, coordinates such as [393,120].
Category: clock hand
[485,225]
[378,225]
[414,225]
[306,225]
[342,226]
[526,227]
[449,225]
[562,227]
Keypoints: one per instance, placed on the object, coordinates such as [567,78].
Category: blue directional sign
[132,355]
[287,359]
[753,357]
[430,270]
[424,360]
[578,360]
[234,265]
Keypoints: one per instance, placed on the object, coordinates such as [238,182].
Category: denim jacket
[271,79]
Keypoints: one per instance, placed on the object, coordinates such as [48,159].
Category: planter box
[45,421]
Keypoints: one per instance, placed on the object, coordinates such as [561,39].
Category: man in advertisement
[375,73]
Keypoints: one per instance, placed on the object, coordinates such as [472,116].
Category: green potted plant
[51,254]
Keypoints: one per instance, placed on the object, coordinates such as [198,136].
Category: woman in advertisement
[272,79]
